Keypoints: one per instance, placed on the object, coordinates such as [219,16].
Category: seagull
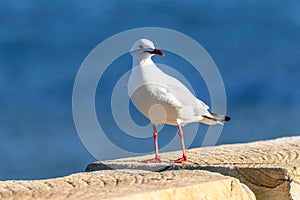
[162,98]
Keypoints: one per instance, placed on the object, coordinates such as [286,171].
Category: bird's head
[144,49]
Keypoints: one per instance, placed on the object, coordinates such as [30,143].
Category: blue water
[255,44]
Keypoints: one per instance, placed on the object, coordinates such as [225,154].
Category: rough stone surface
[130,184]
[271,169]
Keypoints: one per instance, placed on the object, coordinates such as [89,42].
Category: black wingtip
[220,117]
[227,118]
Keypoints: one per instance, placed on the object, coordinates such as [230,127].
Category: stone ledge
[271,169]
[130,184]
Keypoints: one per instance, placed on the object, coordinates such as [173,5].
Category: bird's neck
[141,63]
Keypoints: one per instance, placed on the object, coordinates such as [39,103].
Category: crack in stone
[71,183]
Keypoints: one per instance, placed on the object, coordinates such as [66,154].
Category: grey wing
[163,93]
[187,99]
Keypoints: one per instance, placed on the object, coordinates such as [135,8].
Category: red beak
[157,52]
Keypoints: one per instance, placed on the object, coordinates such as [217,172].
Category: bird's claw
[180,160]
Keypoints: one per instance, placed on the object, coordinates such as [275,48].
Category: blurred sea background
[255,44]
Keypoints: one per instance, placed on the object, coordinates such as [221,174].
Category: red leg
[184,157]
[157,156]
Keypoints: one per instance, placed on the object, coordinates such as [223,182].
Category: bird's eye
[141,46]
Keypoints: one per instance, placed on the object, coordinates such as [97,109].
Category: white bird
[162,98]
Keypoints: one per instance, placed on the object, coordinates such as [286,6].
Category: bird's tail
[216,118]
